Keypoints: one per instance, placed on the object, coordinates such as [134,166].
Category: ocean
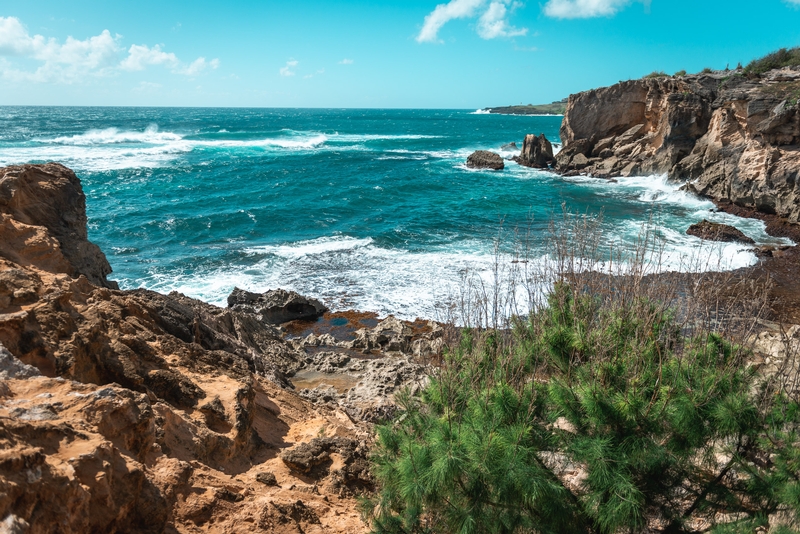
[372,210]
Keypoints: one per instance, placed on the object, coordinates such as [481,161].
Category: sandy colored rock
[733,138]
[43,208]
[132,411]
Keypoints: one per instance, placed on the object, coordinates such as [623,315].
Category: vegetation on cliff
[555,108]
[605,410]
[785,57]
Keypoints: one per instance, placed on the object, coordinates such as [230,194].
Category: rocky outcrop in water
[718,232]
[536,152]
[733,138]
[483,159]
[132,411]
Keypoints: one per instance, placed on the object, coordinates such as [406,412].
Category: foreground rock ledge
[132,411]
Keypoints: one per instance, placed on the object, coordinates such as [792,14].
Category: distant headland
[555,108]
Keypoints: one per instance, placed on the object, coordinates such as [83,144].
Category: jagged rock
[536,152]
[43,222]
[305,457]
[11,367]
[116,406]
[276,306]
[267,478]
[510,146]
[733,137]
[718,232]
[483,159]
[391,334]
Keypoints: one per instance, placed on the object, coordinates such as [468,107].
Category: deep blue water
[366,209]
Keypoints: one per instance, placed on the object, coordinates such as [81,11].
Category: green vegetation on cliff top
[556,108]
[785,57]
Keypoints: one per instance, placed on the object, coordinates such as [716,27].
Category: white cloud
[197,66]
[74,60]
[444,13]
[140,56]
[583,9]
[346,61]
[287,70]
[491,24]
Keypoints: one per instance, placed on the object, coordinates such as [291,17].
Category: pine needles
[619,404]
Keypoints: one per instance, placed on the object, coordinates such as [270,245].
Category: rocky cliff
[732,137]
[132,411]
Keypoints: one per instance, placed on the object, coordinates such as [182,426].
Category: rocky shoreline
[135,411]
[130,411]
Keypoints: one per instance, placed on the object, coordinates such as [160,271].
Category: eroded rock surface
[276,306]
[536,152]
[132,411]
[43,222]
[734,138]
[348,375]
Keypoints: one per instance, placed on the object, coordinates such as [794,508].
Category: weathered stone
[40,204]
[483,159]
[11,367]
[267,478]
[536,152]
[276,306]
[734,138]
[718,232]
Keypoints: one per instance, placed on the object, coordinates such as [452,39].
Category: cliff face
[43,222]
[131,411]
[732,138]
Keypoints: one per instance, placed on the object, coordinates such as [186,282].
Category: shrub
[706,70]
[680,73]
[785,57]
[657,74]
[606,409]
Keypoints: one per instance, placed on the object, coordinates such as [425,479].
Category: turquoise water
[365,209]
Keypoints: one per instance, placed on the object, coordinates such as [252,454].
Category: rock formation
[43,222]
[718,232]
[483,159]
[132,411]
[536,152]
[276,306]
[732,137]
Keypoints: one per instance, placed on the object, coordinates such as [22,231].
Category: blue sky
[406,53]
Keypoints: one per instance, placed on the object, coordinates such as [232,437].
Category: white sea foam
[345,272]
[481,112]
[112,136]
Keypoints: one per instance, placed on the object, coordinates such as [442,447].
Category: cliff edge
[733,137]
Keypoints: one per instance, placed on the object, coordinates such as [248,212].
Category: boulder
[276,306]
[536,152]
[483,159]
[718,232]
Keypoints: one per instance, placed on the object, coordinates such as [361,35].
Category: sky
[461,54]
